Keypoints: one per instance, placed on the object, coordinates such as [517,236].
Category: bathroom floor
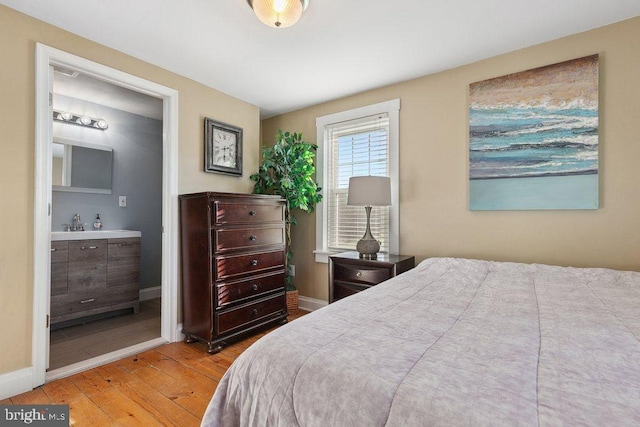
[81,342]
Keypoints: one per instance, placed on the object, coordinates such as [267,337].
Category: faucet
[77,225]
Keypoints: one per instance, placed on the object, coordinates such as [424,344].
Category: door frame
[45,57]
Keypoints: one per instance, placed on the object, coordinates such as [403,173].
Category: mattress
[451,342]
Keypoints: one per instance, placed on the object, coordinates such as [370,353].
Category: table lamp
[369,191]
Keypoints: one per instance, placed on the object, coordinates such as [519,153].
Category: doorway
[46,59]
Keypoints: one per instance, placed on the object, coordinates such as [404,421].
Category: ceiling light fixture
[278,13]
[77,119]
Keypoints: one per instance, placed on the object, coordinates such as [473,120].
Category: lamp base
[368,248]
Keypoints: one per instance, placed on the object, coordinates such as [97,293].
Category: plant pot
[292,302]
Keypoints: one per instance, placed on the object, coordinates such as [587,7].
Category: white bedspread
[451,342]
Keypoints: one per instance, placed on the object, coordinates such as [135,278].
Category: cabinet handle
[253,238]
[254,262]
[254,287]
[53,249]
[254,312]
[359,274]
[88,247]
[84,301]
[252,213]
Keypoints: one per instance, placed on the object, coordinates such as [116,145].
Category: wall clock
[222,148]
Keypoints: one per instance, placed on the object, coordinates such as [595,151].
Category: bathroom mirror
[81,167]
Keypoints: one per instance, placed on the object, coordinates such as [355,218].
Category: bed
[451,342]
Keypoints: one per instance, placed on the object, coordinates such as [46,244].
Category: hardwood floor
[170,385]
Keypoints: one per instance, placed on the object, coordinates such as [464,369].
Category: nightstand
[349,274]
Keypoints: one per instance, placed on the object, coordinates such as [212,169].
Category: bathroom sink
[93,234]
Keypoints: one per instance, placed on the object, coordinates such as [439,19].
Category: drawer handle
[53,249]
[253,238]
[359,274]
[254,287]
[84,301]
[253,213]
[254,312]
[254,262]
[88,247]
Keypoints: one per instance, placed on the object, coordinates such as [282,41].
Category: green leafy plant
[288,170]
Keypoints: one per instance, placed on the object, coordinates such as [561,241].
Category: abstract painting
[533,139]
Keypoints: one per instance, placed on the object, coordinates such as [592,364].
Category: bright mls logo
[38,415]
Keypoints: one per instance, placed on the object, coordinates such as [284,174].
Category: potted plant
[288,170]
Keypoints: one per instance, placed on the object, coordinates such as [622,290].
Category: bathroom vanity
[94,272]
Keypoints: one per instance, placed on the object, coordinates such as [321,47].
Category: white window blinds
[355,148]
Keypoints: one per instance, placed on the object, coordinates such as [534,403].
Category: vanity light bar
[76,119]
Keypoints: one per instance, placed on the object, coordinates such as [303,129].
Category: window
[357,142]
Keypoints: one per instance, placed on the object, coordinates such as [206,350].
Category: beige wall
[434,218]
[18,37]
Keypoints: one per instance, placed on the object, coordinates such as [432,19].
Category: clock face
[224,148]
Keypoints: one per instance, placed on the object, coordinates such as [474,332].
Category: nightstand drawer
[247,238]
[344,289]
[237,291]
[361,274]
[229,212]
[245,315]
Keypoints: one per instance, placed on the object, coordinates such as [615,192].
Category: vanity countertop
[93,234]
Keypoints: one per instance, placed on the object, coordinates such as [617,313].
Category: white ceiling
[338,48]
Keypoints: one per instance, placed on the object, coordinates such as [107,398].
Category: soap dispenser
[97,223]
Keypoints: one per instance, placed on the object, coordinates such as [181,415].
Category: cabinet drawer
[255,286]
[87,250]
[59,252]
[230,266]
[230,212]
[249,313]
[361,274]
[123,248]
[247,238]
[64,306]
[86,275]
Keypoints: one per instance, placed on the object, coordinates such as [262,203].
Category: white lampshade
[369,191]
[278,13]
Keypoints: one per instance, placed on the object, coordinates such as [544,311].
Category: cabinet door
[123,265]
[59,267]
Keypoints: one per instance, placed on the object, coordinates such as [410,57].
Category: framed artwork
[222,148]
[533,139]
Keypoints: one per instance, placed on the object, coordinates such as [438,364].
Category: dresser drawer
[238,291]
[87,250]
[231,212]
[361,274]
[230,266]
[91,302]
[248,238]
[246,314]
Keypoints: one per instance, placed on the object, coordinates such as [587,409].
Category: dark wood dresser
[233,265]
[349,274]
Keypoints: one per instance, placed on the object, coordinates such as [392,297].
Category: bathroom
[131,200]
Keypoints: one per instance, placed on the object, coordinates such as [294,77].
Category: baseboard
[16,382]
[152,292]
[310,304]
